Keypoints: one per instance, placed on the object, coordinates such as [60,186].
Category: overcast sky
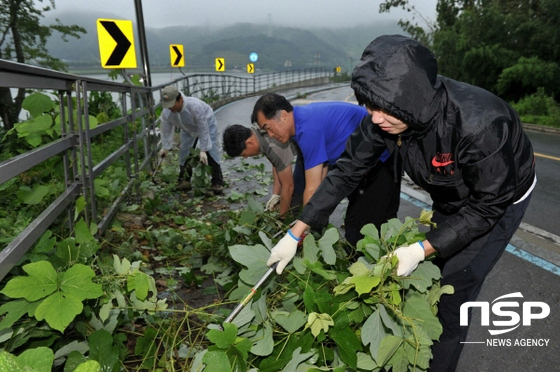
[300,13]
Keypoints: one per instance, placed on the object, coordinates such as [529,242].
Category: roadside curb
[540,128]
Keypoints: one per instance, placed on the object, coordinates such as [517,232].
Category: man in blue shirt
[320,130]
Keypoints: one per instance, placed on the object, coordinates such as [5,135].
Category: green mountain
[278,47]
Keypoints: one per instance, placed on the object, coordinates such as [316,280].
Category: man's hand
[409,258]
[283,252]
[273,203]
[162,153]
[203,157]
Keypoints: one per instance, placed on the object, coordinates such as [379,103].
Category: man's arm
[167,132]
[313,178]
[286,183]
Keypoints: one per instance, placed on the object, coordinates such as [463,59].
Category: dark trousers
[466,272]
[375,200]
[185,171]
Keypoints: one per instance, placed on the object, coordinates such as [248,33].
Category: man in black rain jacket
[460,143]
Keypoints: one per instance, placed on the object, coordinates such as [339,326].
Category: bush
[538,108]
[527,76]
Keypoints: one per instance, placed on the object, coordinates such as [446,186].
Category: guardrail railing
[135,151]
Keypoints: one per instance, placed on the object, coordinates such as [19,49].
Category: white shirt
[195,118]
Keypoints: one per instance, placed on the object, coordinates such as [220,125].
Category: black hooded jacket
[464,145]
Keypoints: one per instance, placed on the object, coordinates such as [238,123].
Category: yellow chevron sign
[177,55]
[220,64]
[116,43]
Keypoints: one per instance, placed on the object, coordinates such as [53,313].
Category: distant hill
[275,45]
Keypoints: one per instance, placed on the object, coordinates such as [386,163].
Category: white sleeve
[167,131]
[203,116]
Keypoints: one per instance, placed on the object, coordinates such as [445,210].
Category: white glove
[273,203]
[203,157]
[283,252]
[162,153]
[409,258]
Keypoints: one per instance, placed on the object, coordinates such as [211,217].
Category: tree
[477,40]
[23,39]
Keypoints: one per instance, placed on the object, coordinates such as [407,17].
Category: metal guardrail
[139,141]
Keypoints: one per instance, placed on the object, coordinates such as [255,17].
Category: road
[530,266]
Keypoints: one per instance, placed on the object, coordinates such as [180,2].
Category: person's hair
[365,101]
[270,104]
[234,139]
[178,97]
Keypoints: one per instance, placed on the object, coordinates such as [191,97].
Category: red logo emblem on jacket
[441,160]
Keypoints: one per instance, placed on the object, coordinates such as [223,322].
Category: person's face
[279,127]
[178,106]
[386,122]
[252,147]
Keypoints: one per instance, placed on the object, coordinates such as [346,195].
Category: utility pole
[143,44]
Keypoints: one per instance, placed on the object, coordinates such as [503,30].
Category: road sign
[338,69]
[116,43]
[253,57]
[177,56]
[220,64]
[250,68]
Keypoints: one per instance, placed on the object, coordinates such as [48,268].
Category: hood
[399,75]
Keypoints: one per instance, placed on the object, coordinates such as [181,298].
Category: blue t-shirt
[322,129]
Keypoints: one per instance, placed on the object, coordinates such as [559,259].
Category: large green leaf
[296,360]
[142,283]
[422,278]
[319,322]
[254,258]
[39,359]
[373,332]
[37,104]
[359,268]
[387,348]
[419,310]
[14,310]
[291,322]
[245,316]
[310,249]
[46,243]
[76,281]
[216,360]
[83,233]
[348,345]
[8,362]
[33,195]
[59,310]
[364,284]
[223,339]
[41,282]
[102,350]
[318,268]
[326,242]
[89,366]
[263,342]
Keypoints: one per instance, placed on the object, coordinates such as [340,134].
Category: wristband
[293,236]
[421,244]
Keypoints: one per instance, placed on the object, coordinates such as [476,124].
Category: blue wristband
[421,244]
[293,236]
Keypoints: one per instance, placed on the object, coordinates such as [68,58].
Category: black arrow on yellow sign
[179,55]
[123,44]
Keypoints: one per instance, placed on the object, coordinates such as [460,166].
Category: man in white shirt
[195,119]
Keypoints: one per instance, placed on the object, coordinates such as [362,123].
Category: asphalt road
[530,266]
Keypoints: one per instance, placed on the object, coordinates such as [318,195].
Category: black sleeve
[363,150]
